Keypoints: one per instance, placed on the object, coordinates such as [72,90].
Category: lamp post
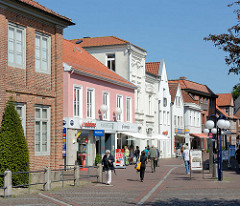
[221,125]
[210,130]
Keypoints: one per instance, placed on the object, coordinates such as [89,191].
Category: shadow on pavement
[195,202]
[133,180]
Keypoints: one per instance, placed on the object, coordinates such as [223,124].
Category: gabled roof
[152,68]
[102,41]
[194,86]
[36,5]
[224,99]
[173,90]
[80,60]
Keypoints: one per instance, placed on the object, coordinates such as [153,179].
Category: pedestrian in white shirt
[186,159]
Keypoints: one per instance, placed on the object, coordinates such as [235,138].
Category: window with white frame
[42,130]
[138,101]
[150,104]
[111,61]
[129,109]
[175,120]
[106,102]
[77,101]
[16,46]
[164,117]
[42,53]
[120,105]
[164,101]
[161,116]
[90,104]
[168,118]
[21,110]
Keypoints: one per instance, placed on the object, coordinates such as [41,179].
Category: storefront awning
[136,135]
[160,137]
[199,135]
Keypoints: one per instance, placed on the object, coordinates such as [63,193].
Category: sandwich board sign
[196,161]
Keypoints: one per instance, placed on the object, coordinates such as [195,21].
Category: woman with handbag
[143,161]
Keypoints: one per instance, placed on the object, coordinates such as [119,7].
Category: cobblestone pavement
[169,185]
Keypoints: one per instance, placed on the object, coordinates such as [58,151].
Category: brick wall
[30,87]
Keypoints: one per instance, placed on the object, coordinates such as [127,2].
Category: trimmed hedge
[14,154]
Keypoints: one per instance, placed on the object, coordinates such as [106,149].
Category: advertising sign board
[119,157]
[196,159]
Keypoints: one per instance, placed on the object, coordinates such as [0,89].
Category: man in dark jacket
[107,163]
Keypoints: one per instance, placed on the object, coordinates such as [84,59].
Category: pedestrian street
[169,185]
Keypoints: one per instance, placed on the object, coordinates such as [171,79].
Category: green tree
[230,43]
[236,91]
[14,154]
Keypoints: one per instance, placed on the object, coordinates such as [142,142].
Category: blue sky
[168,29]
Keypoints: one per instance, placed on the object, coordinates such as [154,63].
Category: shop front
[106,141]
[80,141]
[127,135]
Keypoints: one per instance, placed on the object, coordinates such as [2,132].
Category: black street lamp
[222,124]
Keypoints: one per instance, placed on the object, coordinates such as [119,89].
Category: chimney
[182,78]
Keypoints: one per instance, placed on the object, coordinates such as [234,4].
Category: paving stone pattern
[176,188]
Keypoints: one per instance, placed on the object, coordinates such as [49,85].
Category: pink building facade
[98,107]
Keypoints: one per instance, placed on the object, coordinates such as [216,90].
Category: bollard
[76,176]
[47,177]
[215,170]
[100,174]
[8,183]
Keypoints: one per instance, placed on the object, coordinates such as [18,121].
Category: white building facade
[177,119]
[128,61]
[162,139]
[192,122]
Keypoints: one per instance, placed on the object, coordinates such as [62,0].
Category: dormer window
[111,61]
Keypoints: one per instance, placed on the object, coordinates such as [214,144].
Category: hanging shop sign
[99,133]
[196,160]
[119,157]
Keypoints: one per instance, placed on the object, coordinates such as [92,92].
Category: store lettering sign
[89,124]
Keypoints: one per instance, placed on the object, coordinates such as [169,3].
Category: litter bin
[215,170]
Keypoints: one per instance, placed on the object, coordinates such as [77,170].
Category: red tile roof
[186,85]
[225,114]
[102,41]
[173,90]
[188,99]
[224,100]
[81,60]
[152,68]
[43,8]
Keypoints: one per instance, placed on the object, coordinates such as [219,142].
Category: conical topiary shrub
[14,153]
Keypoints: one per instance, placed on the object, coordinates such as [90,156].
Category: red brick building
[31,72]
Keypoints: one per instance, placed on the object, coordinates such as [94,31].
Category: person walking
[126,155]
[153,157]
[137,153]
[237,155]
[107,163]
[146,151]
[143,160]
[158,155]
[186,159]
